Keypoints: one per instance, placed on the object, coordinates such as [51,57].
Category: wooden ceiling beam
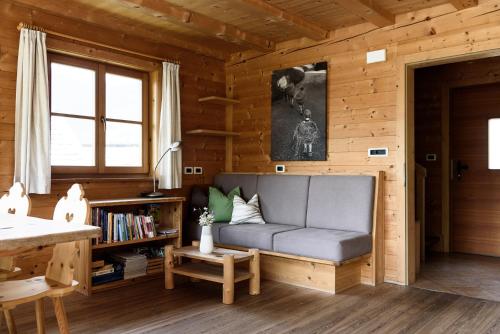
[368,10]
[201,23]
[462,4]
[310,29]
[99,18]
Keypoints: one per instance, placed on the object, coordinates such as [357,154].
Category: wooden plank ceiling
[218,28]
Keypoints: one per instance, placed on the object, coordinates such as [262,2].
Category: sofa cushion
[252,235]
[246,182]
[341,203]
[246,212]
[194,230]
[221,205]
[283,198]
[326,244]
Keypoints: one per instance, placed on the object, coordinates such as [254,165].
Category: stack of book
[103,272]
[118,227]
[134,265]
[155,265]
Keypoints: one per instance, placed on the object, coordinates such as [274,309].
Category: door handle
[460,169]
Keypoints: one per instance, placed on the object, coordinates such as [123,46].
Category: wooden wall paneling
[106,20]
[200,75]
[435,35]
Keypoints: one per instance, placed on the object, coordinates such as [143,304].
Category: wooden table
[218,267]
[19,234]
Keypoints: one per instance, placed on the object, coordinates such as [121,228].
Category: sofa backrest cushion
[246,182]
[283,198]
[341,202]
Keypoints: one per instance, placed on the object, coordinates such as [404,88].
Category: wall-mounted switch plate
[431,157]
[378,152]
[188,170]
[376,56]
[280,168]
[198,170]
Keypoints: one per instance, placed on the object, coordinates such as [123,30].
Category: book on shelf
[117,227]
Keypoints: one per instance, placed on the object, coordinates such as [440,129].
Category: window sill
[89,179]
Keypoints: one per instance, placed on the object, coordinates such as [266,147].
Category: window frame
[101,69]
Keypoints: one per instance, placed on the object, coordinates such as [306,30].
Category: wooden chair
[58,280]
[15,202]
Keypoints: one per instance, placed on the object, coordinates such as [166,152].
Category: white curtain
[32,129]
[170,169]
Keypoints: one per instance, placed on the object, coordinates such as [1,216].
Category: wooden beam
[368,10]
[124,26]
[201,23]
[462,4]
[310,29]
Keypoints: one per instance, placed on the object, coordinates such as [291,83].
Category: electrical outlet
[188,170]
[198,170]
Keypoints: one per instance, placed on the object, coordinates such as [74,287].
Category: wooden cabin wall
[199,75]
[362,99]
[432,85]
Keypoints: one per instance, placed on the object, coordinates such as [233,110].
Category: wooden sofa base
[312,273]
[315,275]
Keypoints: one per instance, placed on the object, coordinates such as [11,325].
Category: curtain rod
[22,25]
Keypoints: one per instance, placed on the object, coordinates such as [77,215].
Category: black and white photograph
[298,113]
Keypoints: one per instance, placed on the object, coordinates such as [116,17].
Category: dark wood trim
[101,69]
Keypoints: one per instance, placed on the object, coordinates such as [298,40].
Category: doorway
[456,107]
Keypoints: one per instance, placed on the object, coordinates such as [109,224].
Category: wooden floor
[197,308]
[462,274]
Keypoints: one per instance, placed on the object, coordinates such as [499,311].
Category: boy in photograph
[305,135]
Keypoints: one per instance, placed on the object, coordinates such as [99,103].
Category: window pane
[123,144]
[123,97]
[72,90]
[494,143]
[72,141]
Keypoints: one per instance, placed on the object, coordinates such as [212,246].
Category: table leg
[228,286]
[195,243]
[9,319]
[169,265]
[254,268]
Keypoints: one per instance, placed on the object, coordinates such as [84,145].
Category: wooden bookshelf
[125,282]
[218,100]
[170,217]
[206,132]
[135,241]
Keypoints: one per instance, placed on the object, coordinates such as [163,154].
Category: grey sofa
[320,217]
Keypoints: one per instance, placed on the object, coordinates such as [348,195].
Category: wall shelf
[218,133]
[218,100]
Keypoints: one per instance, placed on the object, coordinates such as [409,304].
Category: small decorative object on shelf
[207,241]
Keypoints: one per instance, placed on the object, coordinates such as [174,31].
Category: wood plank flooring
[462,274]
[281,308]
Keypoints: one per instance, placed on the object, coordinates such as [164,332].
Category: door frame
[405,115]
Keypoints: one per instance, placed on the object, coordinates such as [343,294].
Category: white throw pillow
[246,213]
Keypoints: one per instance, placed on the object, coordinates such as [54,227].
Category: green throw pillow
[221,205]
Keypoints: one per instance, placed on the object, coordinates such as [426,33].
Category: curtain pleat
[32,128]
[170,169]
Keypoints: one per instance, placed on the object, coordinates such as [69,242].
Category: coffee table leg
[169,265]
[254,268]
[228,287]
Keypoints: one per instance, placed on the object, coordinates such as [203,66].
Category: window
[494,143]
[99,119]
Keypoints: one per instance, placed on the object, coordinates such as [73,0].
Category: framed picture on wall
[298,113]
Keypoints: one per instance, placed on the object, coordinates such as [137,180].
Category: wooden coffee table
[216,267]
